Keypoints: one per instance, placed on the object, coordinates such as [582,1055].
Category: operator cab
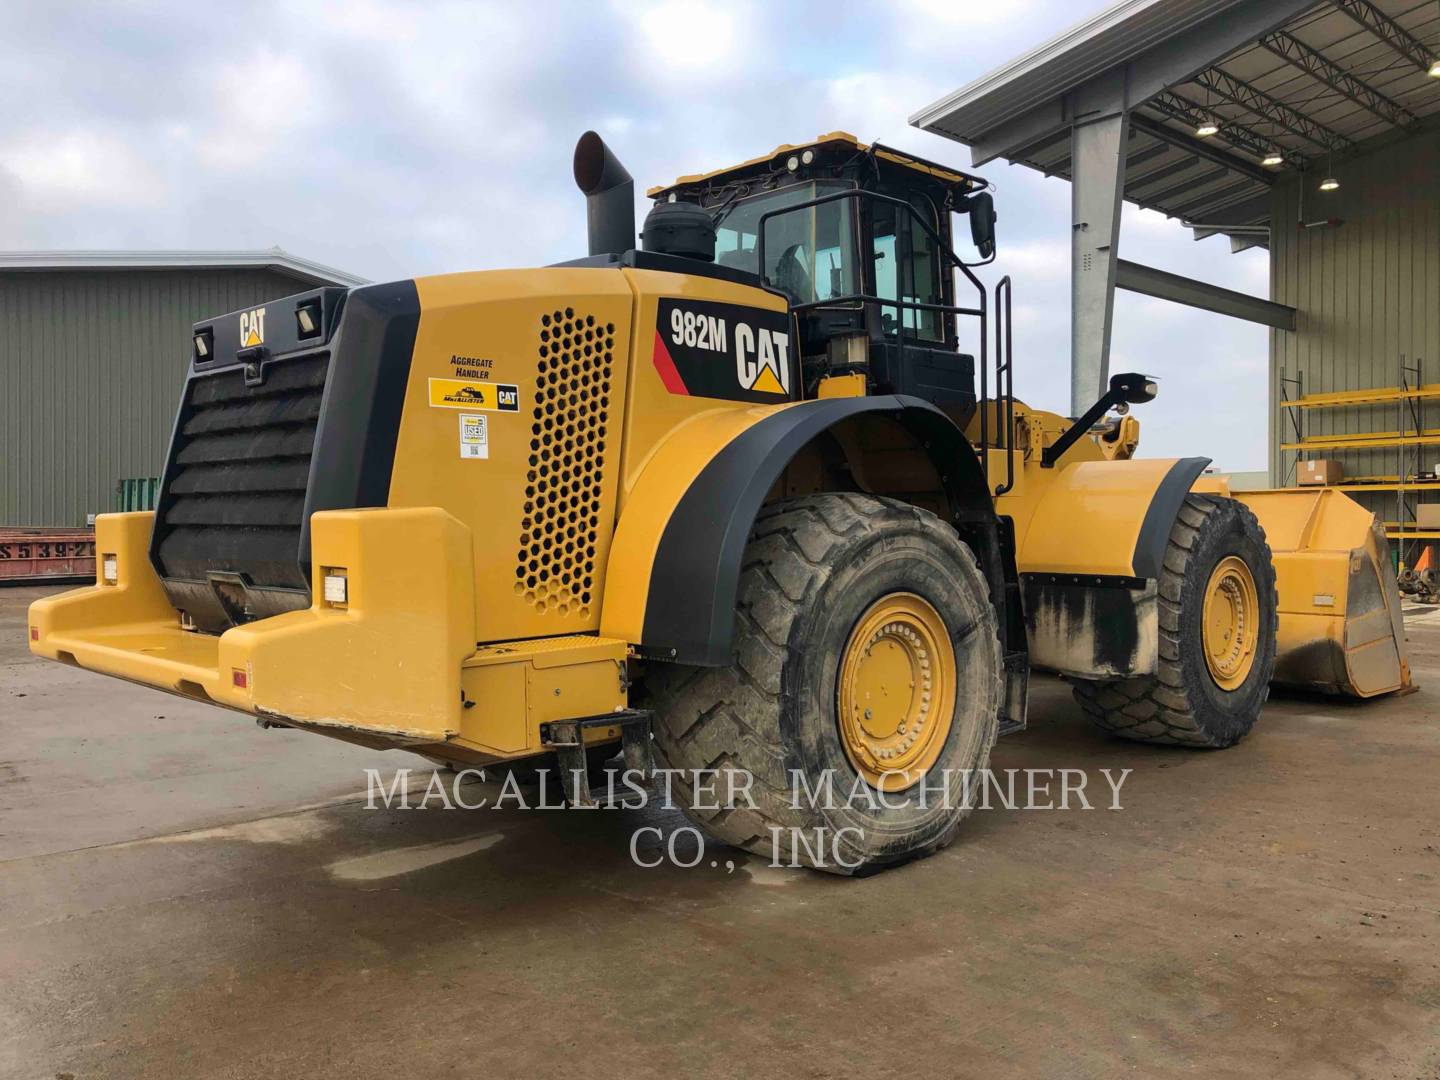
[859,239]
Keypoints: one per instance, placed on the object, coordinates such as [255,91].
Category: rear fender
[674,569]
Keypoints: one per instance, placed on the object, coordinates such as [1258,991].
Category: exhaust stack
[609,196]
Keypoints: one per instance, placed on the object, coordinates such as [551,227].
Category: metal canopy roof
[275,259]
[1317,86]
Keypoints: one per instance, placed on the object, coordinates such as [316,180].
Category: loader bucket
[1340,626]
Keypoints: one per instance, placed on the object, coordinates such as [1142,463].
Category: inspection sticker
[474,437]
[474,394]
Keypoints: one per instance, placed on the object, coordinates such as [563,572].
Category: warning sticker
[473,394]
[474,437]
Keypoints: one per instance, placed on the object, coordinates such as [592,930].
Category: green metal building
[93,352]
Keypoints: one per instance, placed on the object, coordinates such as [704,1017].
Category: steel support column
[1097,152]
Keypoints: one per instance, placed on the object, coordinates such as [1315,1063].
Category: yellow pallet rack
[1366,440]
[1410,436]
[1380,395]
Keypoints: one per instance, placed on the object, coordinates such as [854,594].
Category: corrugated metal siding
[1367,294]
[91,366]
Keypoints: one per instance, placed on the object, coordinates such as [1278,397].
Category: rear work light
[307,318]
[204,345]
[110,569]
[337,587]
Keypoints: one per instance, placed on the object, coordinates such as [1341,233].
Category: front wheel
[867,665]
[1216,652]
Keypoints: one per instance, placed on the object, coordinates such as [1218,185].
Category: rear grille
[555,570]
[235,497]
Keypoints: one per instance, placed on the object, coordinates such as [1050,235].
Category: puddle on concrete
[762,873]
[386,864]
[289,829]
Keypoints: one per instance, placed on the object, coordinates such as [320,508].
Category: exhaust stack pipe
[609,196]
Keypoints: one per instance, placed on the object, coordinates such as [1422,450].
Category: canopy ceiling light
[1273,158]
[1329,183]
[1207,127]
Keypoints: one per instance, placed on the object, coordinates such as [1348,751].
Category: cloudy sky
[396,139]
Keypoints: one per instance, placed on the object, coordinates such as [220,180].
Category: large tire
[816,569]
[1184,702]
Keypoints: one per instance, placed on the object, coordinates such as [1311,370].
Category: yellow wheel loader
[738,488]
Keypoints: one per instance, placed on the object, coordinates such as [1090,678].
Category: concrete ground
[182,894]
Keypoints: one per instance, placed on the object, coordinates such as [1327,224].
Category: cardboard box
[1318,472]
[1427,516]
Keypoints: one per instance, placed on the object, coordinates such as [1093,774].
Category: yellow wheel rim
[1231,622]
[896,691]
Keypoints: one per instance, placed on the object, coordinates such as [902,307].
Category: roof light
[1434,71]
[1329,184]
[1273,158]
[1207,127]
[792,163]
[807,157]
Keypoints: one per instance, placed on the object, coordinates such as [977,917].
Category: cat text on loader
[737,485]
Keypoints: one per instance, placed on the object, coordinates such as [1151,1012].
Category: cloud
[394,139]
[80,168]
[686,39]
[1039,260]
[263,103]
[924,18]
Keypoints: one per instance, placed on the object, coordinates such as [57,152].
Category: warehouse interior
[1312,130]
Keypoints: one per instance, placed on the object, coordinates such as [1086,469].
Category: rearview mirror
[1132,387]
[982,223]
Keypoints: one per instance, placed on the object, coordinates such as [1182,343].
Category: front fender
[1089,561]
[1109,518]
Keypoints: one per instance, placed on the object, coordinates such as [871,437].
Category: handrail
[1004,355]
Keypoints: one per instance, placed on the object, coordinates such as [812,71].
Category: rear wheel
[866,660]
[1216,653]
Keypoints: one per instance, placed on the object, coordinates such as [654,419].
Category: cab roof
[835,140]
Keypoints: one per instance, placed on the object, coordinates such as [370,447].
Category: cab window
[809,254]
[907,267]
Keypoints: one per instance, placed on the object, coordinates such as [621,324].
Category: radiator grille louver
[556,566]
[236,495]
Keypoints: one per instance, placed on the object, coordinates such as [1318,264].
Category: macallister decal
[473,394]
[725,351]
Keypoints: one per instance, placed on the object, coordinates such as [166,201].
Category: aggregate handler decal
[474,394]
[723,350]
